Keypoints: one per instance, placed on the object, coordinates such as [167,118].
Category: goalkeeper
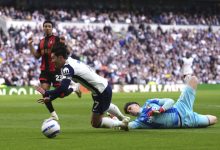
[164,113]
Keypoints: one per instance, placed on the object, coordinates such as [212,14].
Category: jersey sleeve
[166,103]
[136,124]
[67,72]
[61,91]
[133,125]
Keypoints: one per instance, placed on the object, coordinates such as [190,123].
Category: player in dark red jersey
[49,75]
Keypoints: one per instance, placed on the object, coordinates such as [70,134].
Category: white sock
[114,110]
[75,86]
[54,115]
[110,123]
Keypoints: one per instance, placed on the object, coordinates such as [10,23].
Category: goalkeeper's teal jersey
[167,119]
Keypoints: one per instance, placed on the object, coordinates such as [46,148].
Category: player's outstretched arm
[58,92]
[36,54]
[62,95]
[61,91]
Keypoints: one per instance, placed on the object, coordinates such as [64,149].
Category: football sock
[49,107]
[114,110]
[110,123]
[54,115]
[74,86]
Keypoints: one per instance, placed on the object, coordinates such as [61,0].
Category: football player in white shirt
[74,70]
[187,65]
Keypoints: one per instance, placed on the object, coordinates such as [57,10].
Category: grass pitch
[21,118]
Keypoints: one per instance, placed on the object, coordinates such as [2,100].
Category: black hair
[48,21]
[60,49]
[127,105]
[188,54]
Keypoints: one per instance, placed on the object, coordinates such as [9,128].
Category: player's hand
[155,112]
[40,90]
[43,100]
[30,41]
[152,113]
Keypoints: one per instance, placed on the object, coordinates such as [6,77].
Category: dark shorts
[102,101]
[50,78]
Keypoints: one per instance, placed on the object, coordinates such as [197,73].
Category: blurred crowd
[137,55]
[208,16]
[134,56]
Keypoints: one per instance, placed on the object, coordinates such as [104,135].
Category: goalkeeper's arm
[165,104]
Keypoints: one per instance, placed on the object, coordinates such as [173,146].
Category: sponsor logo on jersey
[66,71]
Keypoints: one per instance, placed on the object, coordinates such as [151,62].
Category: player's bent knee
[95,124]
[96,120]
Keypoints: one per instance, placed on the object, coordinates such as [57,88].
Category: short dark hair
[127,105]
[60,49]
[48,21]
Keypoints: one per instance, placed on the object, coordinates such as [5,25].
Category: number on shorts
[96,103]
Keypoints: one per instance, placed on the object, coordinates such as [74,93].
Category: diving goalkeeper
[164,113]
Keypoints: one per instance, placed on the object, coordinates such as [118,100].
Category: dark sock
[49,107]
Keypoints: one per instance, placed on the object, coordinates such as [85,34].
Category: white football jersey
[79,72]
[187,66]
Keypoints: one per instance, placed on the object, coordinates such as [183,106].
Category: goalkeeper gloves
[153,111]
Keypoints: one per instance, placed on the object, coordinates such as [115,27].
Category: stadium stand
[150,16]
[138,54]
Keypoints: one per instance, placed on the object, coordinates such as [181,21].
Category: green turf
[21,118]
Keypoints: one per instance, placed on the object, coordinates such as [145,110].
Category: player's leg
[98,121]
[111,116]
[212,119]
[185,102]
[101,105]
[49,105]
[114,110]
[45,79]
[205,120]
[187,97]
[192,81]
